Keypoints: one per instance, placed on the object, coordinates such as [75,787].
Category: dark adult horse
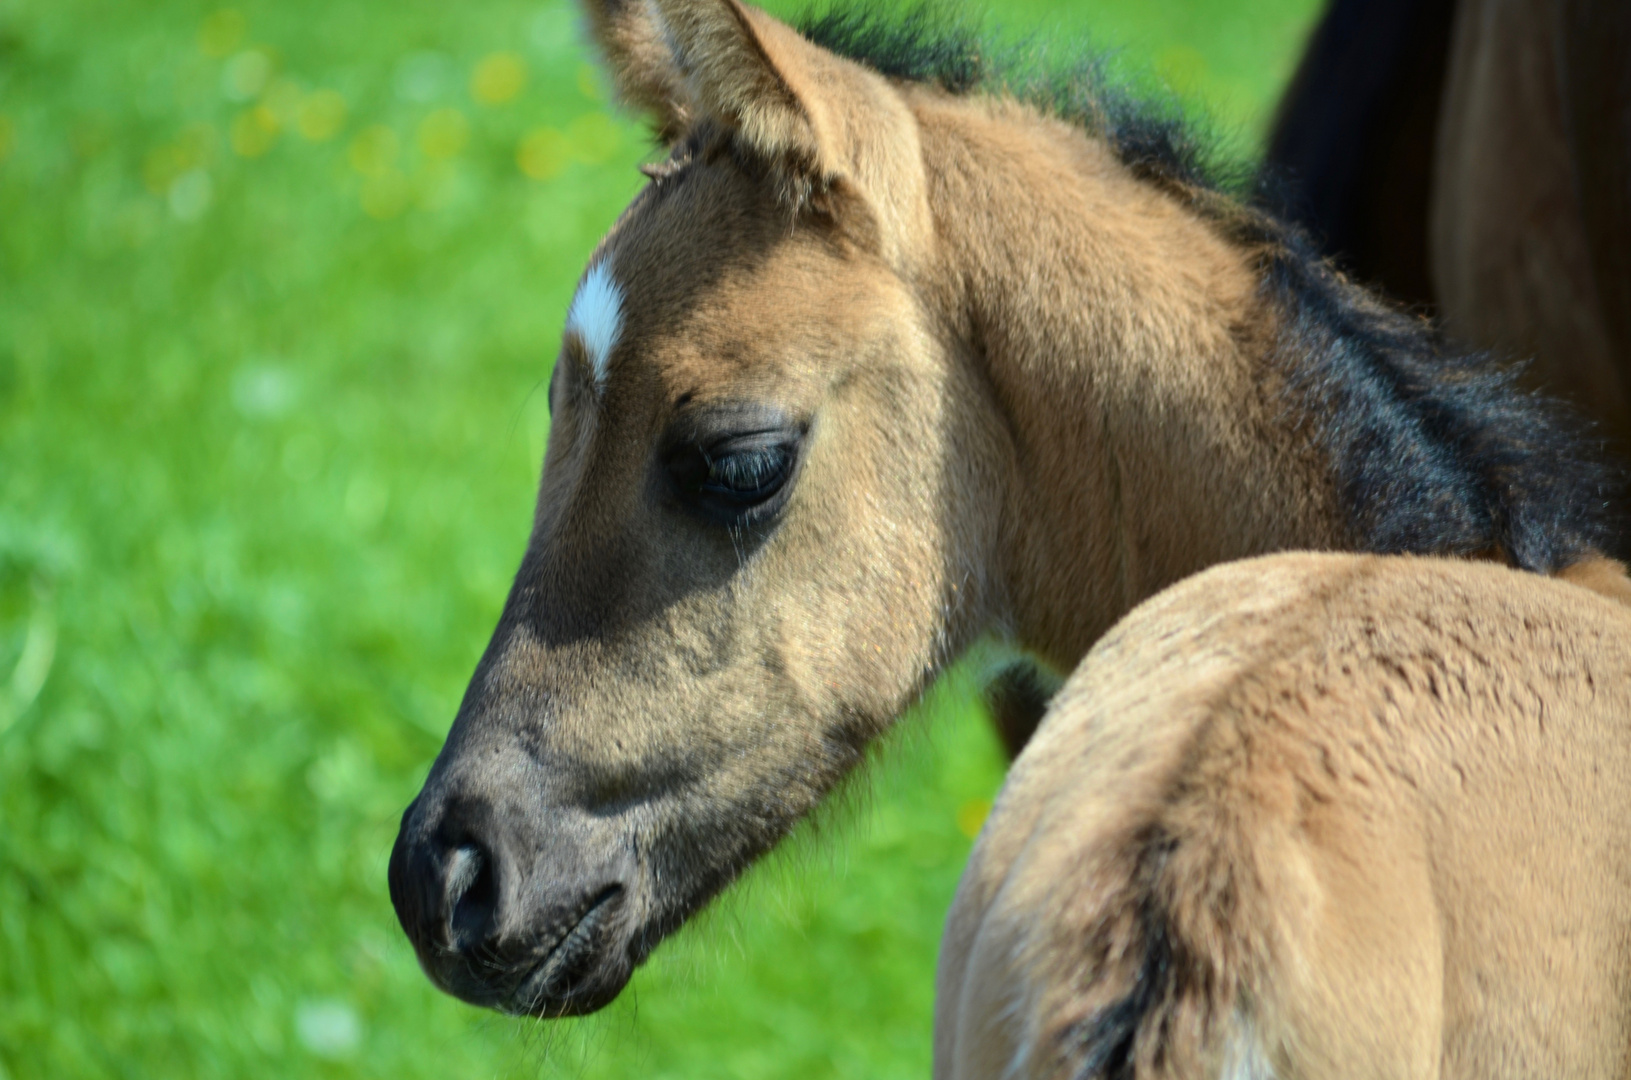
[1474,157]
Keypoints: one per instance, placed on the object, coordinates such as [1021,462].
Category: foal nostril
[472,896]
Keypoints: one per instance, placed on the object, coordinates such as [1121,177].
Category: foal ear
[632,38]
[746,69]
[830,130]
[689,60]
[680,59]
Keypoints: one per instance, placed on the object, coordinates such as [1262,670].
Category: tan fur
[727,56]
[1028,390]
[1389,798]
[638,58]
[1605,576]
[1082,283]
[1091,287]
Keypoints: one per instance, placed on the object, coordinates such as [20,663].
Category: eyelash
[736,480]
[750,474]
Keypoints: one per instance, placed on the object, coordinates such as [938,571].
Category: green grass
[270,423]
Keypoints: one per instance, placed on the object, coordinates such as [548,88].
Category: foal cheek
[880,549]
[882,626]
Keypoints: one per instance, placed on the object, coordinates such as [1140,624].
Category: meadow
[280,287]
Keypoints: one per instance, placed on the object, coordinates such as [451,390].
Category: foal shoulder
[1218,647]
[1226,711]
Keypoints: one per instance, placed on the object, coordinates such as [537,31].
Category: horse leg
[1511,251]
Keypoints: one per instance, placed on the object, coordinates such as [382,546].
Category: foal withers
[871,367]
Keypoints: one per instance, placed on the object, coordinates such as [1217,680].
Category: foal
[879,362]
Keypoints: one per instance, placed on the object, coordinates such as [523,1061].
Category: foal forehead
[707,277]
[702,240]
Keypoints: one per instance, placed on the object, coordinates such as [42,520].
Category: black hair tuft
[932,42]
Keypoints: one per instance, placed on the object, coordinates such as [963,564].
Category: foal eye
[750,476]
[738,479]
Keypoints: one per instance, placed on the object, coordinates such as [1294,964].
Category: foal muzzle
[524,909]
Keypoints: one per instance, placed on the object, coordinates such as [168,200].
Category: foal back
[1313,816]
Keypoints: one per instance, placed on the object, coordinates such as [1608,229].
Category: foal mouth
[549,988]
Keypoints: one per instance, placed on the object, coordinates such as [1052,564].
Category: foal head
[764,520]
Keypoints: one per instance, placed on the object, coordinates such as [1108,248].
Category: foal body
[1313,816]
[876,365]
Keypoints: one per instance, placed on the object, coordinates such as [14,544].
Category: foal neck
[1121,339]
[1185,381]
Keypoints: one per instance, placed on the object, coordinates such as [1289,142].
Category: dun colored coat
[1313,816]
[897,350]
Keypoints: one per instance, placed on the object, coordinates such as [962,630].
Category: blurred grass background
[279,289]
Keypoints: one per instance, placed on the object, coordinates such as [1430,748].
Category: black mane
[1435,451]
[934,43]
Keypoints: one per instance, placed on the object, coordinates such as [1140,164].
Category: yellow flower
[498,78]
[594,137]
[254,131]
[443,133]
[221,32]
[543,153]
[320,115]
[971,816]
[385,195]
[373,152]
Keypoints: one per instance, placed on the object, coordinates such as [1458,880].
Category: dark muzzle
[513,906]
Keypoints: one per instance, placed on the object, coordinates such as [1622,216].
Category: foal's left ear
[815,118]
[629,34]
[830,130]
[744,68]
